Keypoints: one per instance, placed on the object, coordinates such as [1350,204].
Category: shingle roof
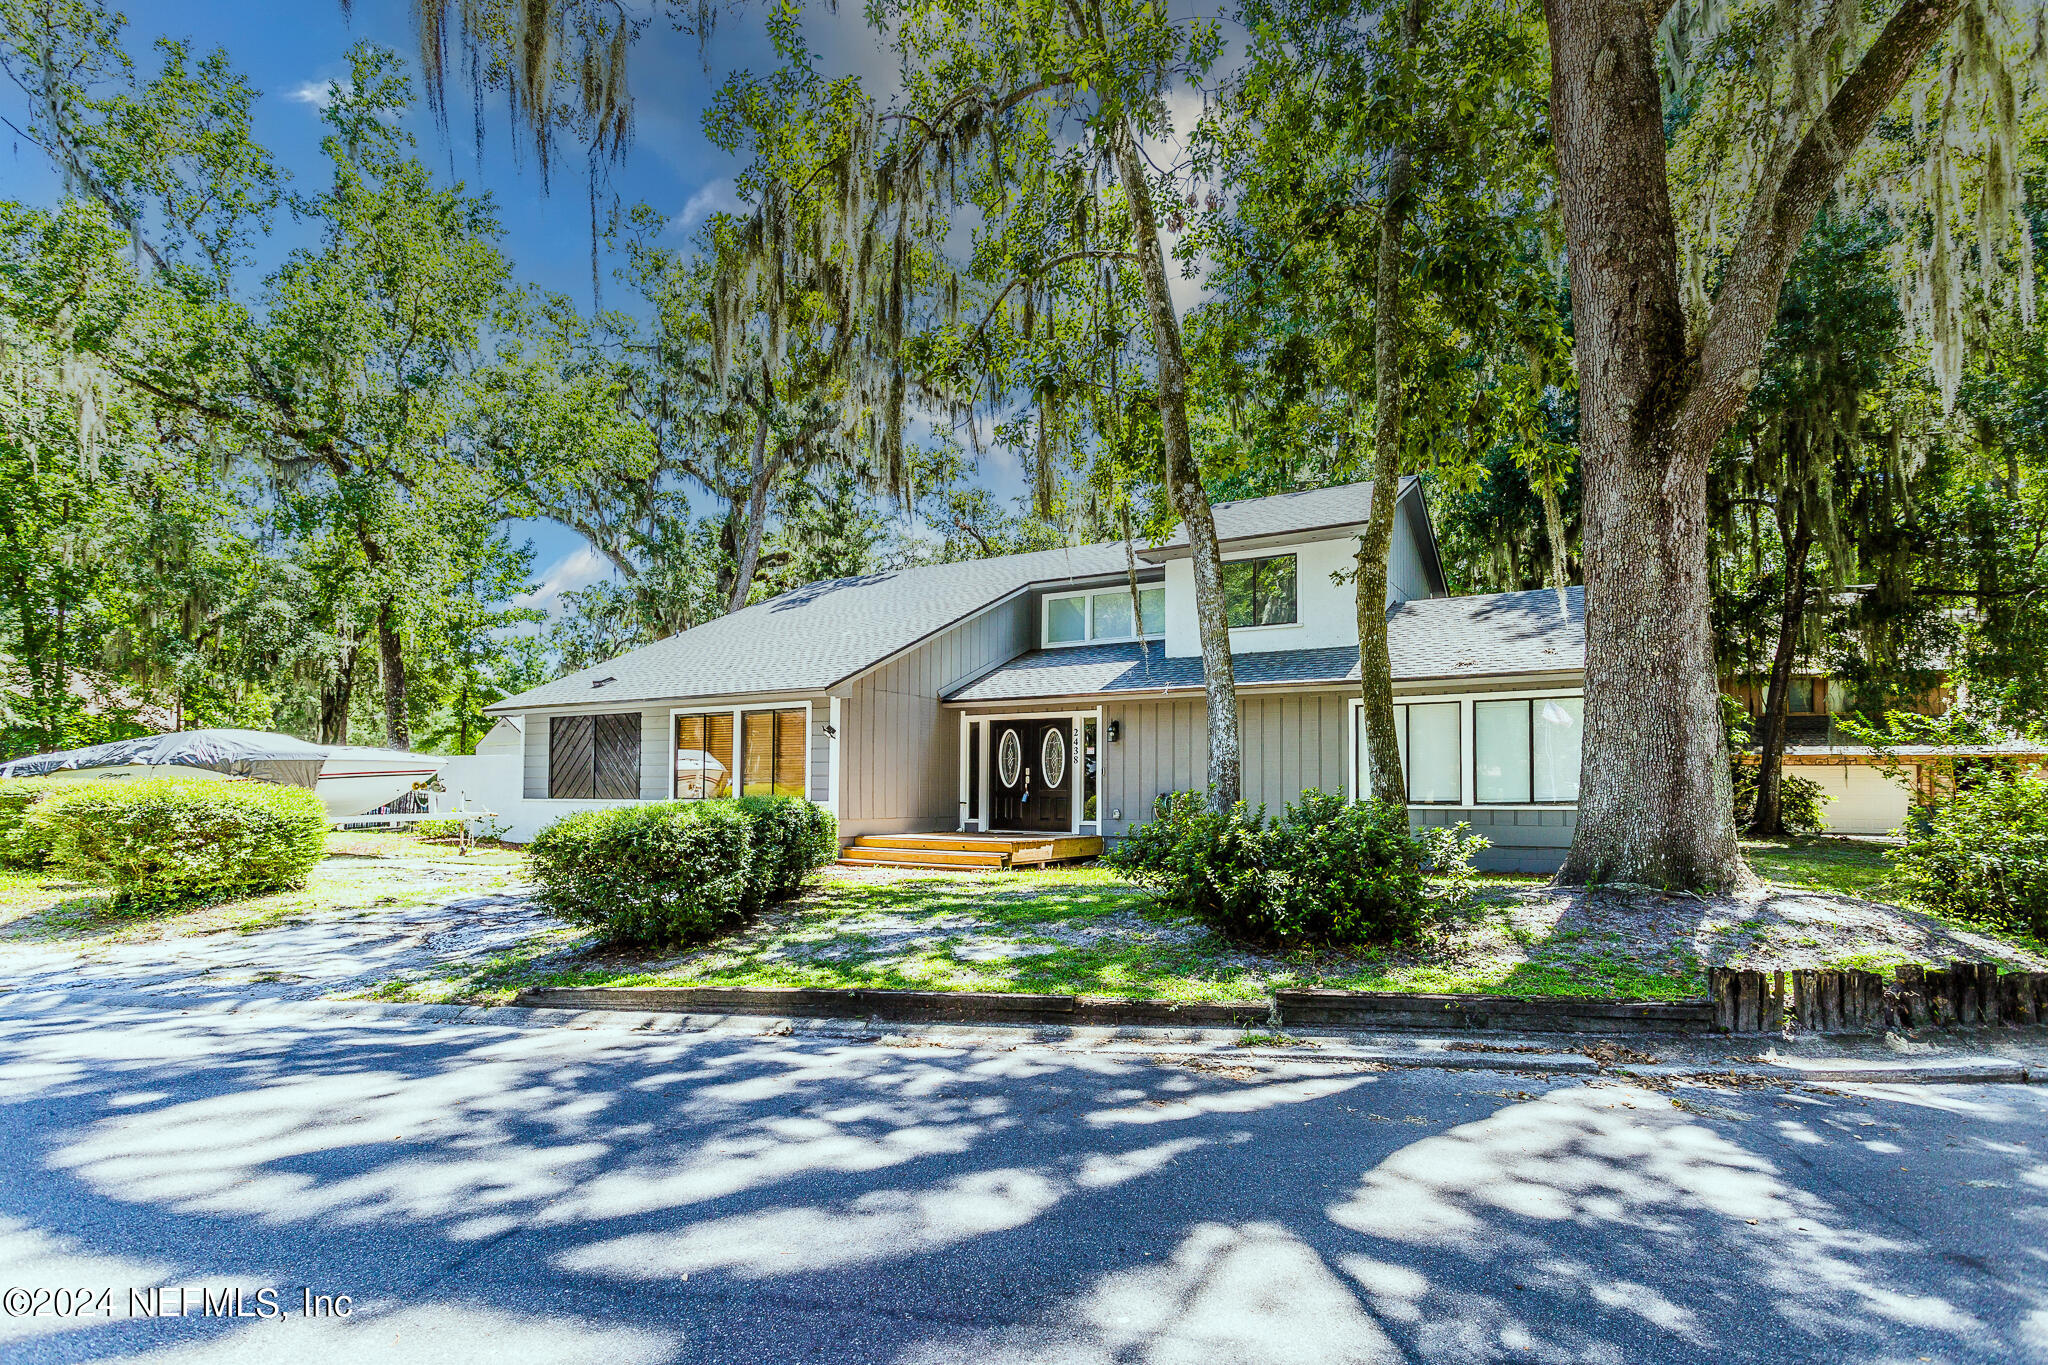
[1287,513]
[812,637]
[1441,637]
[816,636]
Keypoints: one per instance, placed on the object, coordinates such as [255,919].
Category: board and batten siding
[900,750]
[1287,743]
[656,752]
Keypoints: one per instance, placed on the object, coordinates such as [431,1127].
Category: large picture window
[1260,592]
[1526,752]
[1083,617]
[594,758]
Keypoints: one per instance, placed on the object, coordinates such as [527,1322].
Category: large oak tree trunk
[1654,804]
[1385,780]
[1184,478]
[1767,817]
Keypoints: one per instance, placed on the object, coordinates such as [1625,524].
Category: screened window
[1080,617]
[772,750]
[594,758]
[1800,703]
[704,754]
[1527,751]
[1260,592]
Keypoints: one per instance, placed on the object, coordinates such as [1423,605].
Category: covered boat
[350,779]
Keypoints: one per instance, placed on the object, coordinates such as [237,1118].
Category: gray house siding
[900,748]
[1288,743]
[1407,573]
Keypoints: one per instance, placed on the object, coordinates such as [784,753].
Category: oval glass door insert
[1052,758]
[1009,758]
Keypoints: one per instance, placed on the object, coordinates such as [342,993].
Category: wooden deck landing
[969,852]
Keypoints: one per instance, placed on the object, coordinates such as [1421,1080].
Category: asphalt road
[570,1195]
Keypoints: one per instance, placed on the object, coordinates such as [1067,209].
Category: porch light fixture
[1116,729]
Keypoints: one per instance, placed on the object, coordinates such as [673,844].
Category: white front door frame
[1077,762]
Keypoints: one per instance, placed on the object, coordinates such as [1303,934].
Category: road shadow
[601,1195]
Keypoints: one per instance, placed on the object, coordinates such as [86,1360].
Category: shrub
[792,838]
[23,843]
[437,829]
[1327,871]
[667,873]
[1982,854]
[167,841]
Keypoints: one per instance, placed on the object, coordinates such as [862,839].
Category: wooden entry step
[968,852]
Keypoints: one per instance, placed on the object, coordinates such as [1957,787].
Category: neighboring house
[1023,694]
[1863,796]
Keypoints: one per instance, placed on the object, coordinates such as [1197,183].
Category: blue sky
[291,51]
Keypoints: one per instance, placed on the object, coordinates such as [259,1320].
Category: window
[1259,592]
[1066,620]
[1079,617]
[772,745]
[1526,752]
[1432,765]
[704,751]
[1800,703]
[1089,770]
[594,758]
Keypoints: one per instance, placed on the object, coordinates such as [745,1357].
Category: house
[1026,694]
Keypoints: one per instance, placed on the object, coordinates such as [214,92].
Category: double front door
[1031,775]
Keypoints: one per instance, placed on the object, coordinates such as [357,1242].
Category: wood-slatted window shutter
[617,758]
[571,741]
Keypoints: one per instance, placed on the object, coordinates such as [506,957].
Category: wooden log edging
[1289,1009]
[1963,994]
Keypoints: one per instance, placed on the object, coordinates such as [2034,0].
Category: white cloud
[578,569]
[319,94]
[714,196]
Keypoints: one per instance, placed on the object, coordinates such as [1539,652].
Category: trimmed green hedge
[22,843]
[168,841]
[1982,854]
[673,872]
[1327,871]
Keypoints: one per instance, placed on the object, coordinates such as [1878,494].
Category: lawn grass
[1846,867]
[362,870]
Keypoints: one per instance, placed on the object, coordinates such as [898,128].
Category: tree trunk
[1654,804]
[757,515]
[1767,818]
[337,695]
[391,674]
[1375,665]
[1184,477]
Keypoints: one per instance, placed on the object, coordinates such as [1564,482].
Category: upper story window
[1260,592]
[1077,618]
